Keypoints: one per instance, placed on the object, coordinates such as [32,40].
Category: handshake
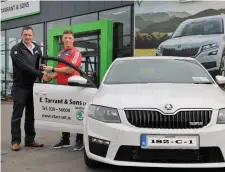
[47,77]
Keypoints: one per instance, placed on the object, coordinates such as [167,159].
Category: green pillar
[105,28]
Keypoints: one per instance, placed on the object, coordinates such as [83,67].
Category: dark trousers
[66,136]
[22,98]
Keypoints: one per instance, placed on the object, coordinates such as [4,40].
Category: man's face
[68,40]
[28,36]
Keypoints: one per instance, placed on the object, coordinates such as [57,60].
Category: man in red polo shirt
[62,73]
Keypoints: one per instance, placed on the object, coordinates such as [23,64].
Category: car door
[60,107]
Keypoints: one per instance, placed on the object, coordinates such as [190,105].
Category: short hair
[68,32]
[27,28]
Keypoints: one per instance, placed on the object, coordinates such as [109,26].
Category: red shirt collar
[68,48]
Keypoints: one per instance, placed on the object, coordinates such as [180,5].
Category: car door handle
[41,92]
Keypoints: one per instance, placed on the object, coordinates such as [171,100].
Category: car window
[200,27]
[156,71]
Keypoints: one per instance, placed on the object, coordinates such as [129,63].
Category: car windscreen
[200,27]
[157,71]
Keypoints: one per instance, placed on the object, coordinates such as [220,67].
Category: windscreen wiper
[202,83]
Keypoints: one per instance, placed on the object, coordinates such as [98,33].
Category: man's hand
[53,76]
[46,77]
[47,68]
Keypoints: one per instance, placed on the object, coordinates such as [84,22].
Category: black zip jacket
[25,65]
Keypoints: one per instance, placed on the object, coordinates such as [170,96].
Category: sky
[165,6]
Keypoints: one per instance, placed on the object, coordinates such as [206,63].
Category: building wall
[54,10]
[65,13]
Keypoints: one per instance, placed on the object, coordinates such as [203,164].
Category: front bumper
[120,143]
[210,59]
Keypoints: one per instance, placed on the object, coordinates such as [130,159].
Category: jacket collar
[22,44]
[32,44]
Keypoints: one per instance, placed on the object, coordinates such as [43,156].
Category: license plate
[169,142]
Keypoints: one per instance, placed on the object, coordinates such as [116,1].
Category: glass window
[87,43]
[39,35]
[9,73]
[125,49]
[3,65]
[13,37]
[126,41]
[118,15]
[2,40]
[3,92]
[56,24]
[8,89]
[9,67]
[2,55]
[84,18]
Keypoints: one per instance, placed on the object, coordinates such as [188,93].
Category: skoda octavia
[156,112]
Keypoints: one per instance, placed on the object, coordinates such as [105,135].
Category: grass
[145,52]
[158,34]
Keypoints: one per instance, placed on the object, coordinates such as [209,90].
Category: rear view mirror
[77,81]
[220,79]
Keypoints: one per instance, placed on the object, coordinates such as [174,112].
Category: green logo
[80,115]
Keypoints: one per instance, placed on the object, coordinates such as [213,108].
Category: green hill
[145,19]
[171,24]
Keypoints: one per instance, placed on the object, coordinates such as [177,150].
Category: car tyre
[91,163]
[221,169]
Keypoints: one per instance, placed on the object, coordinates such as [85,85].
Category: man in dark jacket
[25,60]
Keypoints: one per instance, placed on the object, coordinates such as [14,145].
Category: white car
[201,38]
[147,112]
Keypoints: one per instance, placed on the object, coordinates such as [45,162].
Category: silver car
[199,38]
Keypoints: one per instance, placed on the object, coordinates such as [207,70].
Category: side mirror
[170,34]
[77,81]
[220,79]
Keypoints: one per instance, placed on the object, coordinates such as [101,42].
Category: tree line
[149,40]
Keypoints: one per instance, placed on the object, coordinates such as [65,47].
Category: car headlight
[221,117]
[104,114]
[159,50]
[210,46]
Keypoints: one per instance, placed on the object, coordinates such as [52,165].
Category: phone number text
[53,109]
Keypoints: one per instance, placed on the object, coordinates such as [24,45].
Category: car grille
[186,52]
[201,155]
[181,120]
